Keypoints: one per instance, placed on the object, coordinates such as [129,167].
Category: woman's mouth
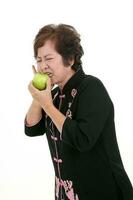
[49,74]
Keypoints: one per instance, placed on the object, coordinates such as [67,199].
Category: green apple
[40,81]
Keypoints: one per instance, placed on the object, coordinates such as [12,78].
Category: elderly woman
[77,116]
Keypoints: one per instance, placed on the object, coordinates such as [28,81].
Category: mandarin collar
[73,82]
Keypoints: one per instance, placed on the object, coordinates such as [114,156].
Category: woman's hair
[67,42]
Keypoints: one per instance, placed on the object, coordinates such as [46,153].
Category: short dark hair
[67,42]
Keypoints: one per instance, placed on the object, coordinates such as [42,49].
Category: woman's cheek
[38,69]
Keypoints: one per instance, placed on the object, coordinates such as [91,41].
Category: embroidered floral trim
[69,104]
[69,113]
[73,92]
[67,185]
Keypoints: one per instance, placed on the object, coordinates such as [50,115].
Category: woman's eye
[49,58]
[38,61]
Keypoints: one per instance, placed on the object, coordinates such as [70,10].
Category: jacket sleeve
[93,108]
[40,127]
[37,129]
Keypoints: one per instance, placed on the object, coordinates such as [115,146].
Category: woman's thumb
[48,84]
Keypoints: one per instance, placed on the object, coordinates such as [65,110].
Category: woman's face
[50,61]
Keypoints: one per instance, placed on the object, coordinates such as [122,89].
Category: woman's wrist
[36,104]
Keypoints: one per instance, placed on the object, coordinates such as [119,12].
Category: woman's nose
[44,68]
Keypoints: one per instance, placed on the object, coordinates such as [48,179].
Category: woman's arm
[34,124]
[34,114]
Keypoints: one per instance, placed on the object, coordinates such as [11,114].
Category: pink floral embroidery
[69,104]
[73,92]
[68,188]
[69,113]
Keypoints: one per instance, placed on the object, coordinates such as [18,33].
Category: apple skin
[40,81]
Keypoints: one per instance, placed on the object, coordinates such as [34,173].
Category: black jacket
[85,155]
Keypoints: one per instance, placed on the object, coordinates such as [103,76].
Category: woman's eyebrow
[45,55]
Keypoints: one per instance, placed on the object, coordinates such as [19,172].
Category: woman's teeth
[49,74]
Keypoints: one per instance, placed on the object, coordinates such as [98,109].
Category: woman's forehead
[47,49]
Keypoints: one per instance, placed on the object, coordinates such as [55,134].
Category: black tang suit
[85,154]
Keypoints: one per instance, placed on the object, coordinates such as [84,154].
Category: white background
[106,28]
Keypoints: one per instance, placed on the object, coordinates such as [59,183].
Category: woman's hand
[43,97]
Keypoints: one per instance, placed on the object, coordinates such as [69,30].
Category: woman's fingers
[48,84]
[34,69]
[31,87]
